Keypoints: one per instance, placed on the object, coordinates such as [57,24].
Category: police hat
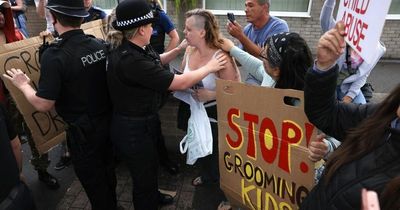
[72,8]
[132,14]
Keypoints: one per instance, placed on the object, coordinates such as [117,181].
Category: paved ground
[71,196]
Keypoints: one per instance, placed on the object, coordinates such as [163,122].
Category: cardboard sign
[47,128]
[263,156]
[364,21]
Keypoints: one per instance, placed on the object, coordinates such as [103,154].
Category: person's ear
[202,33]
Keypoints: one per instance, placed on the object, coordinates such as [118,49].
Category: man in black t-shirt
[14,194]
[73,80]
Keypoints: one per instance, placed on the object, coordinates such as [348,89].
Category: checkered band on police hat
[132,14]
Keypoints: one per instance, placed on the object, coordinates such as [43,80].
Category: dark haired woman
[283,62]
[370,151]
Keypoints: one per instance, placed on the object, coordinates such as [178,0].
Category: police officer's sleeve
[166,22]
[9,123]
[50,75]
[147,73]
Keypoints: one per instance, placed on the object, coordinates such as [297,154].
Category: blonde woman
[204,40]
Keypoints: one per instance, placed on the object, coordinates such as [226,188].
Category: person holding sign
[136,82]
[370,133]
[73,80]
[354,71]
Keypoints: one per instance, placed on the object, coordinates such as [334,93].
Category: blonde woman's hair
[115,37]
[158,2]
[204,19]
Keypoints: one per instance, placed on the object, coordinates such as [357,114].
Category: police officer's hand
[234,29]
[226,45]
[318,148]
[183,45]
[330,46]
[17,78]
[217,62]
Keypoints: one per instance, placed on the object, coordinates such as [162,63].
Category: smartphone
[231,17]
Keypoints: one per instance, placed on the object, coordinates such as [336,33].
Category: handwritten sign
[263,156]
[364,21]
[47,128]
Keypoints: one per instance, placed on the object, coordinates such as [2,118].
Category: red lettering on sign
[251,146]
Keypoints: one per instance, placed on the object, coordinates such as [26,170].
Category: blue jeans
[359,99]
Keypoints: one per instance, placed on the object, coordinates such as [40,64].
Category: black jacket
[371,171]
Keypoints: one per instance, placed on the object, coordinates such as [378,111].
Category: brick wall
[308,28]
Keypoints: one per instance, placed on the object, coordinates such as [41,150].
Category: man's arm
[235,30]
[40,8]
[21,81]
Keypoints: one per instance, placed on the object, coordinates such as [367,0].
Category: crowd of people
[111,105]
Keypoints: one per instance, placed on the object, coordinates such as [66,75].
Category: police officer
[136,80]
[95,13]
[73,80]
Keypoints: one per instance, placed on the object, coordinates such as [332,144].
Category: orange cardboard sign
[263,156]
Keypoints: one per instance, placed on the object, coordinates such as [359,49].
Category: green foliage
[184,5]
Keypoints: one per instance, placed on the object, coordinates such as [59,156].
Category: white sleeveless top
[209,80]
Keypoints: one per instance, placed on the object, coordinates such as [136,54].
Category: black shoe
[164,199]
[63,162]
[170,166]
[49,180]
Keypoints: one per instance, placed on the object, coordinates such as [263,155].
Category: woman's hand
[330,46]
[226,45]
[204,95]
[317,149]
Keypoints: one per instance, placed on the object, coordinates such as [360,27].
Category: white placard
[364,21]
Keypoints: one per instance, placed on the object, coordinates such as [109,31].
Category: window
[108,5]
[287,8]
[105,4]
[394,11]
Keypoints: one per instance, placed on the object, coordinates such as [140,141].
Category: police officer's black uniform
[136,82]
[73,74]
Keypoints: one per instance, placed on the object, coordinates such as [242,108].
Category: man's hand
[234,29]
[17,78]
[330,46]
[317,149]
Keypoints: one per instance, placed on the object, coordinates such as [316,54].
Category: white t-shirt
[49,20]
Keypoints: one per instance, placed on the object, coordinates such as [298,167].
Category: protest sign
[364,21]
[47,128]
[263,156]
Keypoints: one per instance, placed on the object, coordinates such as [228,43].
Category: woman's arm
[326,18]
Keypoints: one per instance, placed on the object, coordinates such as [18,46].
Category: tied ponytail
[114,37]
